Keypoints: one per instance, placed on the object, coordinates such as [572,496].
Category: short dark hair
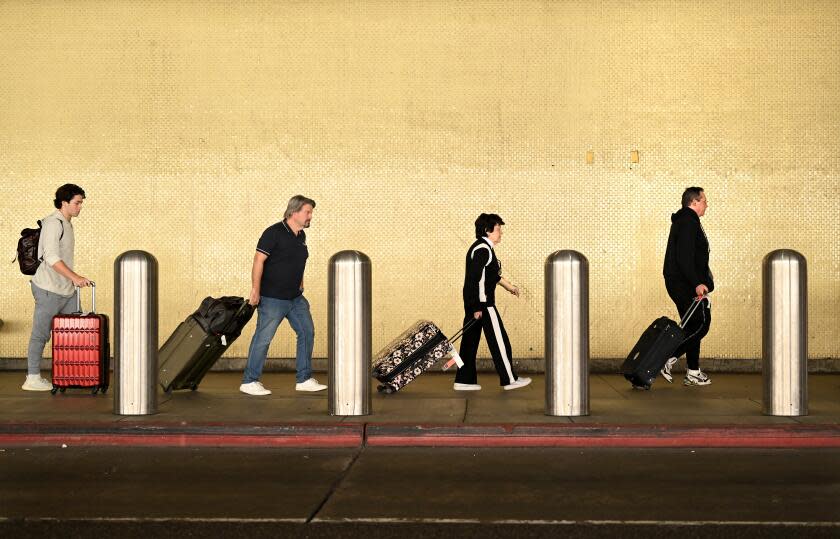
[66,193]
[690,195]
[485,224]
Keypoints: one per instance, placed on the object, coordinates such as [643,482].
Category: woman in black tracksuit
[483,273]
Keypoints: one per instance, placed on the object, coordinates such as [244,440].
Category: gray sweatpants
[47,305]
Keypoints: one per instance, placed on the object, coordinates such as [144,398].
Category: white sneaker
[666,370]
[254,388]
[466,387]
[696,378]
[310,385]
[520,382]
[34,382]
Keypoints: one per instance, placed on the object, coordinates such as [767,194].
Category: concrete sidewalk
[427,413]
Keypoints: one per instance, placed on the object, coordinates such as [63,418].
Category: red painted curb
[179,440]
[580,435]
[745,442]
[336,435]
[182,435]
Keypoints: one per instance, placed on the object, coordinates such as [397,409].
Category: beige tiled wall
[190,124]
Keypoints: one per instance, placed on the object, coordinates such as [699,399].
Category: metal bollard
[349,334]
[785,334]
[135,333]
[566,334]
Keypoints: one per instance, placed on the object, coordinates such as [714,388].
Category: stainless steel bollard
[135,333]
[349,334]
[785,334]
[566,334]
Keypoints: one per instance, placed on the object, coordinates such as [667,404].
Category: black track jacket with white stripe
[483,272]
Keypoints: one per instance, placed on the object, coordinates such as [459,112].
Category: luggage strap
[419,352]
[235,318]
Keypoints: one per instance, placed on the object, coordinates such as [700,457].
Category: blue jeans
[270,312]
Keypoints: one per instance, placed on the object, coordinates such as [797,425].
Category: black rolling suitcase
[200,340]
[413,353]
[656,345]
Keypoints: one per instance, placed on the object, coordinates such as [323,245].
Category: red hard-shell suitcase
[81,350]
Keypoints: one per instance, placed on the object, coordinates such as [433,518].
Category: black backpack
[27,249]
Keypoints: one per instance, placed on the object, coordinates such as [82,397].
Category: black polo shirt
[287,254]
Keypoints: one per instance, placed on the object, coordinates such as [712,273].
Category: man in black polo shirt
[277,290]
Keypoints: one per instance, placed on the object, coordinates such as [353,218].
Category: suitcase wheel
[63,389]
[103,389]
[54,390]
[385,389]
[94,391]
[193,387]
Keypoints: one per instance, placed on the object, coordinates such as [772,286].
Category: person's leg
[69,306]
[300,318]
[499,345]
[47,305]
[270,312]
[695,329]
[682,297]
[682,348]
[468,350]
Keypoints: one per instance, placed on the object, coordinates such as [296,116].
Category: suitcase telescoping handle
[460,332]
[92,299]
[694,304]
[456,359]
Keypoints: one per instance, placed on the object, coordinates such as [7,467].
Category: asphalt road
[432,492]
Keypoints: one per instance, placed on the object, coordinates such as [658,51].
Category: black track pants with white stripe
[497,342]
[696,328]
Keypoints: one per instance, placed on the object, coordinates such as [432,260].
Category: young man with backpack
[54,282]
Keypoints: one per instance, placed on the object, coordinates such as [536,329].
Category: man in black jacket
[483,273]
[687,276]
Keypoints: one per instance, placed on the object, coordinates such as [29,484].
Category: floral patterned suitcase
[411,354]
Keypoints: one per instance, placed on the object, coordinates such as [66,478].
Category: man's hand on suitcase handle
[701,290]
[81,282]
[254,297]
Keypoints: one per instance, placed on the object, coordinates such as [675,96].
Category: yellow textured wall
[191,124]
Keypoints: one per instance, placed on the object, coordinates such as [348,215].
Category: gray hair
[296,203]
[690,195]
